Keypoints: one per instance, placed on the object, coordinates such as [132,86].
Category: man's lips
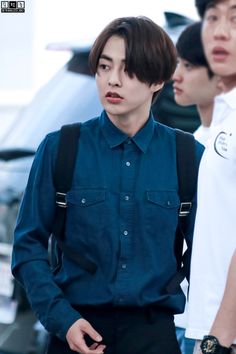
[177,90]
[219,54]
[113,97]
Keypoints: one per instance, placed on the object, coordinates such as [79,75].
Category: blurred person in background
[122,210]
[212,295]
[194,82]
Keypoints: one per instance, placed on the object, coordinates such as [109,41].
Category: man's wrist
[211,345]
[224,335]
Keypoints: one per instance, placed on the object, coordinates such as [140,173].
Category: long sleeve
[30,252]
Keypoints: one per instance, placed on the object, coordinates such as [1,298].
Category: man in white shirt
[194,84]
[212,297]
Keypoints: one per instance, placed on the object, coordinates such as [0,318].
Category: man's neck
[227,83]
[129,124]
[205,112]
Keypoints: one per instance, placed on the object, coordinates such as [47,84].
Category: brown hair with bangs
[150,53]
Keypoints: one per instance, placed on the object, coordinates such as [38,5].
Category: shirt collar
[116,137]
[223,104]
[229,98]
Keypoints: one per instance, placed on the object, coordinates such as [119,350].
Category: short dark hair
[189,46]
[203,5]
[150,53]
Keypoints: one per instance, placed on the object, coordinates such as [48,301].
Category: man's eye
[233,19]
[211,18]
[188,65]
[104,67]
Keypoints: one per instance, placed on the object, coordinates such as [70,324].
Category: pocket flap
[166,199]
[86,197]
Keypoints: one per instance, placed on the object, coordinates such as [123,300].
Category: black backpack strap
[187,171]
[66,157]
[63,175]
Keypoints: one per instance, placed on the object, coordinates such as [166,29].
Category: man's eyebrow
[104,56]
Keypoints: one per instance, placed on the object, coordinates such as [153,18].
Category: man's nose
[114,78]
[221,30]
[177,77]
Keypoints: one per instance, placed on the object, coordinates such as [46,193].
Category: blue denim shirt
[122,214]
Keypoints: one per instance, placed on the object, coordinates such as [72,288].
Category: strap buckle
[61,200]
[185,208]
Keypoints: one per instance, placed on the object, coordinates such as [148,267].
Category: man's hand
[75,338]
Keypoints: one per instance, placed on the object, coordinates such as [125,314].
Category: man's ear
[157,87]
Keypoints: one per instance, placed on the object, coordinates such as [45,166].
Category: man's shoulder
[92,123]
[165,130]
[53,137]
[162,126]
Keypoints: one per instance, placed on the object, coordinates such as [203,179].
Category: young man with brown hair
[122,210]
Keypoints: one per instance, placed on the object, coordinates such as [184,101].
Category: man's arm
[224,325]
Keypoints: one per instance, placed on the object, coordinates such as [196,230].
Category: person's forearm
[224,325]
[47,300]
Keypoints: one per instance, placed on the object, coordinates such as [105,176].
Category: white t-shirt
[202,134]
[181,319]
[215,227]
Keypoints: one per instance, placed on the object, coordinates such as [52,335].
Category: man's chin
[222,69]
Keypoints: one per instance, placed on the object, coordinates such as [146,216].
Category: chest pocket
[162,211]
[86,211]
[165,199]
[86,197]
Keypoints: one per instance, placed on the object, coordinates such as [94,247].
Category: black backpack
[187,170]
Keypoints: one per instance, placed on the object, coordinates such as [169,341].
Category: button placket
[127,183]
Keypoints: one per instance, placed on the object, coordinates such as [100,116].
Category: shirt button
[129,141]
[127,197]
[168,203]
[123,266]
[83,200]
[125,232]
[128,163]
